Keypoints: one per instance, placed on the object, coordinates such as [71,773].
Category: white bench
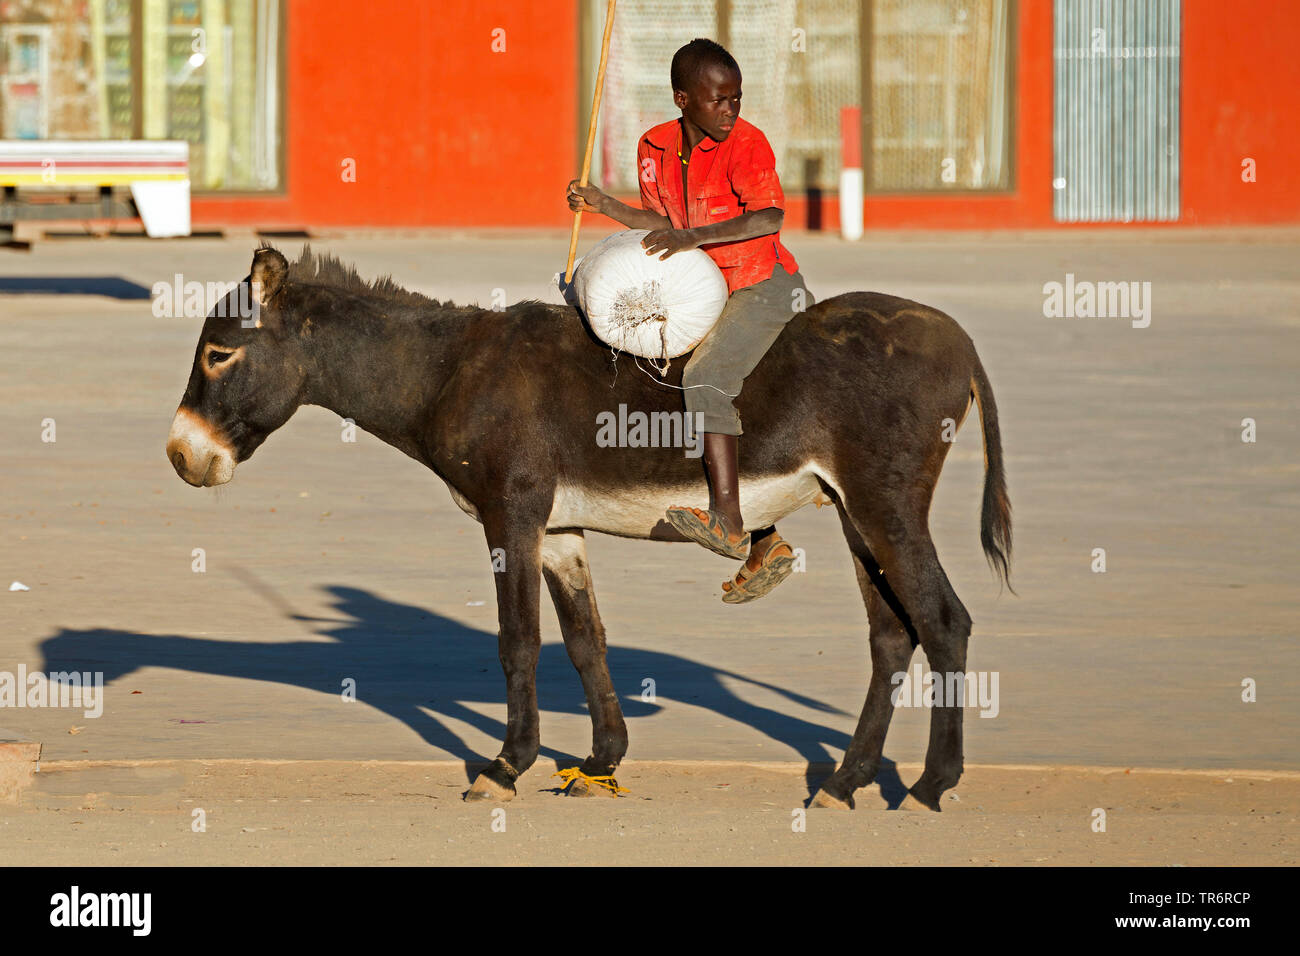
[157,172]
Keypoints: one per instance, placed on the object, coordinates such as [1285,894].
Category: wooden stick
[591,136]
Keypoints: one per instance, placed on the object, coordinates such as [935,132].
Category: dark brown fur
[501,405]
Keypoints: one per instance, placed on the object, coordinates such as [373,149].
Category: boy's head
[706,87]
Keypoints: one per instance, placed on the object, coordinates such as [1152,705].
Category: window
[204,71]
[939,100]
[937,116]
[799,59]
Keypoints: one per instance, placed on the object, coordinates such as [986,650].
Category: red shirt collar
[664,136]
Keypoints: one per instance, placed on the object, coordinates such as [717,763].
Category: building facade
[980,114]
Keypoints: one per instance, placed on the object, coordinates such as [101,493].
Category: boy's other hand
[584,198]
[669,241]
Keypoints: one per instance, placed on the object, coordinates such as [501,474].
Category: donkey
[849,406]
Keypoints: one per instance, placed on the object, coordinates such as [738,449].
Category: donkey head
[247,378]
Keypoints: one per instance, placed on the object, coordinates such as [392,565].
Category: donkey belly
[637,511]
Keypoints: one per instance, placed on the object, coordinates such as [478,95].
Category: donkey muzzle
[198,451]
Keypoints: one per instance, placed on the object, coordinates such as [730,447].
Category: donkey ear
[269,271]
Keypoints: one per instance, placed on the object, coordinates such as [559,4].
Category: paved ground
[411,813]
[327,561]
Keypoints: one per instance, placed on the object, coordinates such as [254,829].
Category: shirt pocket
[717,204]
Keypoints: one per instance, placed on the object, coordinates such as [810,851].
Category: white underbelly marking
[635,511]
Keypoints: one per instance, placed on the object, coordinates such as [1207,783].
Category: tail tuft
[995,514]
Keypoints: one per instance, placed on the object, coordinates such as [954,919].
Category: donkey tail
[995,514]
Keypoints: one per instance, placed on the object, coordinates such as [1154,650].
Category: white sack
[638,303]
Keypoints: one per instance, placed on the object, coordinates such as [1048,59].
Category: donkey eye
[215,358]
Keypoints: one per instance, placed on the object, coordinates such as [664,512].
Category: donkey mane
[324,269]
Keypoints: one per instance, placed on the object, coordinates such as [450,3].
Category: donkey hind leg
[519,642]
[918,590]
[891,652]
[564,565]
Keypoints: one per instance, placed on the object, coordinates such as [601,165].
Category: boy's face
[713,103]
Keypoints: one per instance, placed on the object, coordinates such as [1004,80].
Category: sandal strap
[739,585]
[709,531]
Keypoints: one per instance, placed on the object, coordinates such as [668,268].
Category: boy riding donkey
[708,181]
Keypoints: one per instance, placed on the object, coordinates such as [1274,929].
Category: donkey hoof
[919,803]
[485,788]
[581,788]
[828,802]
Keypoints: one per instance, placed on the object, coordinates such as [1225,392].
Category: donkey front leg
[519,585]
[564,563]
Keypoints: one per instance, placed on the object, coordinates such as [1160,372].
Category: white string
[681,388]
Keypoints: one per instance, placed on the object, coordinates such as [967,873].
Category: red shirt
[735,176]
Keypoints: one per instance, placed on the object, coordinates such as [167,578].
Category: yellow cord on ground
[570,774]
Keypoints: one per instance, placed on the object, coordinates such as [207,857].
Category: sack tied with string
[653,308]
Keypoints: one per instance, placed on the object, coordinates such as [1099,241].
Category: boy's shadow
[422,668]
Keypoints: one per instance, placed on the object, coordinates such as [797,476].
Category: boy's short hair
[694,58]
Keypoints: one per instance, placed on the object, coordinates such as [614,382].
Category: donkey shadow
[422,668]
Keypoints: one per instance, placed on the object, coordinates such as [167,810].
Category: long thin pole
[591,136]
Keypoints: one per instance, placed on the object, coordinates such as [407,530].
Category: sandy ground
[328,561]
[411,813]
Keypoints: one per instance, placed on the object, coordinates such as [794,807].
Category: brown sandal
[747,585]
[708,531]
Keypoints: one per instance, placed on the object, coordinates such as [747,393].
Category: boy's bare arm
[591,199]
[748,225]
[663,238]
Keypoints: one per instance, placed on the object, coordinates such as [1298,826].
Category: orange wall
[443,130]
[1241,98]
[446,132]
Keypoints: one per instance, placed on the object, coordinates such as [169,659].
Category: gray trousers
[750,322]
